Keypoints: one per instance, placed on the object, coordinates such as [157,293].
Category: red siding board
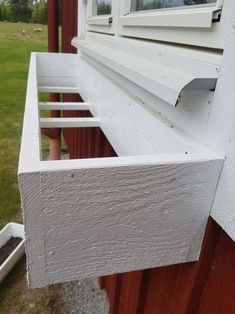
[218,294]
[131,292]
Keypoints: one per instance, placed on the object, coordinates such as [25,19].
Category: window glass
[102,7]
[140,5]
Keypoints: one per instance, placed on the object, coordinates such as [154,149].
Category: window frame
[192,26]
[187,26]
[102,23]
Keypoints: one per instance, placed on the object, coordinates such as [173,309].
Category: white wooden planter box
[83,218]
[11,230]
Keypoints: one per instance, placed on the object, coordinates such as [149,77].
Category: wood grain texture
[130,293]
[110,220]
[29,185]
[218,294]
[177,288]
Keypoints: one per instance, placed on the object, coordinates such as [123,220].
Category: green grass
[15,49]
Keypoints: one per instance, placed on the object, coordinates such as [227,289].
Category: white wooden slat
[64,106]
[60,89]
[28,163]
[69,122]
[57,81]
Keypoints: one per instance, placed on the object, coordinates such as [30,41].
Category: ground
[17,40]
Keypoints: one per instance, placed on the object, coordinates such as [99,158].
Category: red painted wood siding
[205,287]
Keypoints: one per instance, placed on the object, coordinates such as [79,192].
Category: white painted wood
[163,81]
[212,37]
[33,221]
[162,53]
[206,117]
[58,89]
[57,74]
[100,20]
[64,106]
[115,214]
[119,219]
[123,219]
[120,111]
[30,143]
[69,122]
[101,23]
[189,17]
[222,136]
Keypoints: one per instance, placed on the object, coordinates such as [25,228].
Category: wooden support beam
[64,106]
[69,122]
[58,89]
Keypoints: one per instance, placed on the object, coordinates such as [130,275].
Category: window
[100,16]
[192,22]
[102,7]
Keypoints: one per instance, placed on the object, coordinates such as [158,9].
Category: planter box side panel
[30,191]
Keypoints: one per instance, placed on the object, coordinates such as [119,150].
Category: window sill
[165,76]
[201,17]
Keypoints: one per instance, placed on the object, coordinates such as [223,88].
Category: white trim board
[92,217]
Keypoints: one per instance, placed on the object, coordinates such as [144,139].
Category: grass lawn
[15,49]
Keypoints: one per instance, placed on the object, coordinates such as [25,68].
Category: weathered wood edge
[31,203]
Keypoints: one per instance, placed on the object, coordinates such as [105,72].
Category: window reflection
[103,7]
[140,5]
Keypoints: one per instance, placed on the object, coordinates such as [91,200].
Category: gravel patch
[82,297]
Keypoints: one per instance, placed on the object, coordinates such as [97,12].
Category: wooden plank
[218,295]
[177,289]
[130,293]
[58,89]
[64,106]
[129,217]
[222,135]
[112,287]
[69,122]
[32,207]
[203,266]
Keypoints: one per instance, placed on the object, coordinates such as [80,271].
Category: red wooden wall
[205,287]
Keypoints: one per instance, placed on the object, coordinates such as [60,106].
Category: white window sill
[200,17]
[165,76]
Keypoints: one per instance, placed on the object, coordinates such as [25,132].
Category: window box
[90,217]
